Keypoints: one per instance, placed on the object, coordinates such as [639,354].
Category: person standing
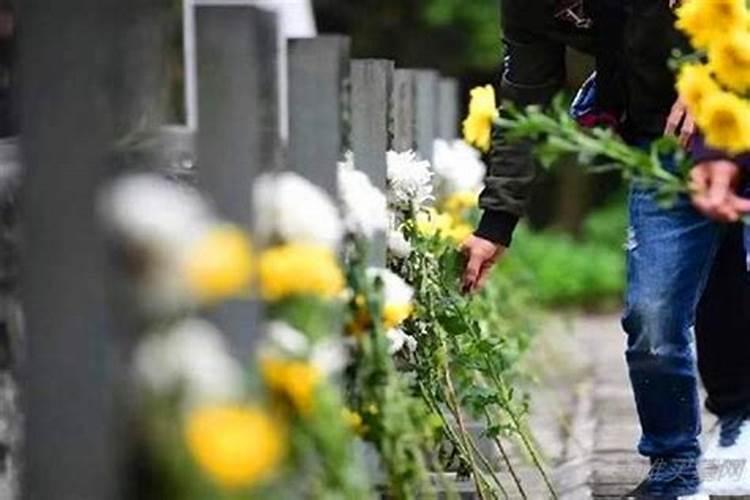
[670,251]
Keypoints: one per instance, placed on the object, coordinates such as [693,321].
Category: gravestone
[403,111]
[318,91]
[448,108]
[426,112]
[371,87]
[69,125]
[238,136]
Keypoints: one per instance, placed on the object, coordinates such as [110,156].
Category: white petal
[364,206]
[395,289]
[458,167]
[409,181]
[191,355]
[287,338]
[330,356]
[398,340]
[289,208]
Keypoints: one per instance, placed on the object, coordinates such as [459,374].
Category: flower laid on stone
[483,112]
[458,167]
[289,208]
[238,447]
[182,255]
[364,206]
[297,269]
[329,356]
[409,181]
[397,296]
[294,380]
[219,264]
[190,359]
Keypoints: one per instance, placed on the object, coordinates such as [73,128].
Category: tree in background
[454,36]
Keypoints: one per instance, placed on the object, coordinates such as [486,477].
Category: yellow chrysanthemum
[708,21]
[431,222]
[459,232]
[395,314]
[482,114]
[457,203]
[220,264]
[729,58]
[237,447]
[694,84]
[295,380]
[298,269]
[725,120]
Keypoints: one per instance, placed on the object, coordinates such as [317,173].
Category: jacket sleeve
[534,72]
[702,152]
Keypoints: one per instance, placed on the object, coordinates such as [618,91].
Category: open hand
[481,255]
[714,185]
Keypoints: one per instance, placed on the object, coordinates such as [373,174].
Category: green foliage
[394,421]
[563,271]
[465,364]
[557,135]
[454,36]
[480,22]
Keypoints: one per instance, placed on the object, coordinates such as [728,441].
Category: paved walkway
[585,397]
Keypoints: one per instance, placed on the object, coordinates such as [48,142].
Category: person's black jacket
[632,40]
[536,34]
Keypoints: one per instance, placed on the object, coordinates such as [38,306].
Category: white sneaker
[725,467]
[697,496]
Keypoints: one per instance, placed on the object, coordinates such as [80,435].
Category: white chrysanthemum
[395,289]
[290,340]
[409,181]
[330,356]
[397,244]
[398,340]
[282,340]
[458,167]
[364,205]
[153,211]
[289,208]
[158,220]
[191,357]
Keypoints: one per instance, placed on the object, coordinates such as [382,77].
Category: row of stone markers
[94,100]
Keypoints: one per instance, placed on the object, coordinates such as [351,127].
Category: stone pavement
[583,411]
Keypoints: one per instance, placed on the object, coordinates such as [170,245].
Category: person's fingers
[687,130]
[473,268]
[727,212]
[676,115]
[699,188]
[484,275]
[720,187]
[699,179]
[741,205]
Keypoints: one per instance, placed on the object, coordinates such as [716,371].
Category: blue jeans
[670,254]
